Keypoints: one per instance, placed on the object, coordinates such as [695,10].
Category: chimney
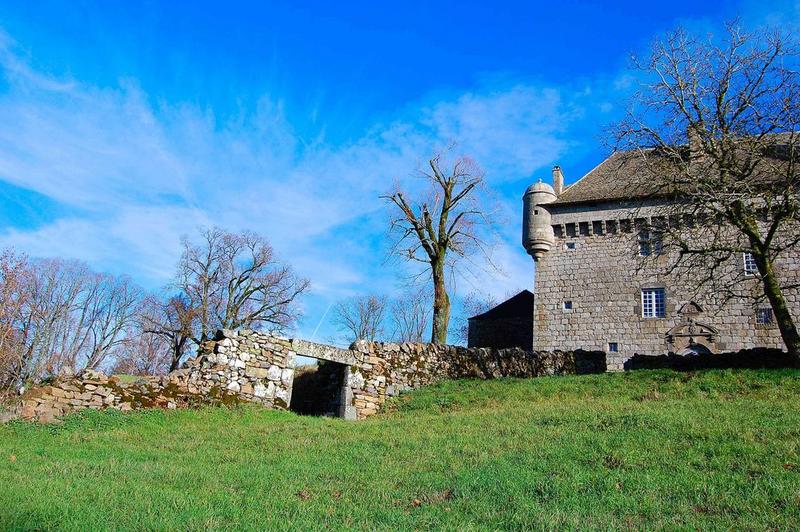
[695,145]
[558,180]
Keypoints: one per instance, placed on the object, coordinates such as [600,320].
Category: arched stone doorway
[695,349]
[690,336]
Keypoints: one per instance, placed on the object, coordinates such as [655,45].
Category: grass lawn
[649,449]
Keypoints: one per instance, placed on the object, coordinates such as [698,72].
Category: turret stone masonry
[593,291]
[254,367]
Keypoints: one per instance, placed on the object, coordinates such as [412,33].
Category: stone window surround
[649,242]
[749,264]
[667,304]
[760,314]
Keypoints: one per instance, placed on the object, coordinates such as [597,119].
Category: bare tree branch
[713,132]
[441,228]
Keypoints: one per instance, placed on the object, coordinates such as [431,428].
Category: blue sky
[125,125]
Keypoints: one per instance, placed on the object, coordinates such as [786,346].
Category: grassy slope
[648,449]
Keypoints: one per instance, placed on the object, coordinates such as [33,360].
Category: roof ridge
[598,165]
[514,301]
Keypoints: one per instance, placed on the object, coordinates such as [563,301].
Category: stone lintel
[324,352]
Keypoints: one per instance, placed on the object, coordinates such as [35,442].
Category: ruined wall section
[235,367]
[92,390]
[255,367]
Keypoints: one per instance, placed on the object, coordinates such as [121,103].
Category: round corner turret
[537,232]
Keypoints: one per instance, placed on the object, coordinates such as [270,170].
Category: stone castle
[594,291]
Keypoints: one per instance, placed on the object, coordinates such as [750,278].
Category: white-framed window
[569,245]
[764,316]
[749,261]
[567,305]
[654,303]
[613,347]
[649,243]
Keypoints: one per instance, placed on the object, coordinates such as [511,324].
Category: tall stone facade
[590,278]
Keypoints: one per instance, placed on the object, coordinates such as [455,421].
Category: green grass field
[715,449]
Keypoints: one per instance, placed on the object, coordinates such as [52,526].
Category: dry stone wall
[387,369]
[95,391]
[234,367]
[256,367]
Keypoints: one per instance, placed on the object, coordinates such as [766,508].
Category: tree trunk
[783,317]
[177,353]
[441,305]
[176,358]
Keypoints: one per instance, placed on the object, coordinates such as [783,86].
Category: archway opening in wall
[319,389]
[695,349]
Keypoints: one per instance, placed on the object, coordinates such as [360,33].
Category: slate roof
[615,178]
[629,175]
[521,305]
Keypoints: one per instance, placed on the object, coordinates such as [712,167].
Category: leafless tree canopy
[361,317]
[61,316]
[168,324]
[233,280]
[14,295]
[442,228]
[143,354]
[410,314]
[714,129]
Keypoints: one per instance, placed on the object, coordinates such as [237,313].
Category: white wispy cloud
[137,174]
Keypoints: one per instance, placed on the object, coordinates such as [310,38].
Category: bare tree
[53,325]
[144,354]
[361,318]
[14,293]
[714,130]
[113,304]
[173,320]
[233,280]
[63,316]
[442,228]
[410,314]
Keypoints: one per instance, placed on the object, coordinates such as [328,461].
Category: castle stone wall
[603,277]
